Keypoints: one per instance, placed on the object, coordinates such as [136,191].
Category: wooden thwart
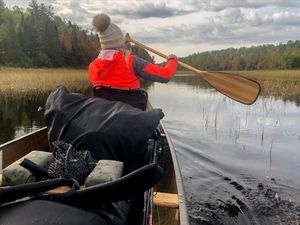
[59,190]
[167,200]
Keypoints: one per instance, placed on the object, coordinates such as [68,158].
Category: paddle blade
[234,86]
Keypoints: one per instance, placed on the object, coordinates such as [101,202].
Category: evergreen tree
[2,6]
[282,56]
[2,31]
[35,37]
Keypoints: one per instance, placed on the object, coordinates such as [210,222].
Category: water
[240,164]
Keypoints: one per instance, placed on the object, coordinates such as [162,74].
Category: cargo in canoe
[163,203]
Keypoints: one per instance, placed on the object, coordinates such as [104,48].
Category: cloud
[219,5]
[232,26]
[148,10]
[191,22]
[131,9]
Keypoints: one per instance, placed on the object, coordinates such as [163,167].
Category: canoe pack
[93,141]
[108,129]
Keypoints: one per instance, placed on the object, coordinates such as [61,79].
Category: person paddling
[117,67]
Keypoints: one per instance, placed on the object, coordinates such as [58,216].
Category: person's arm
[153,72]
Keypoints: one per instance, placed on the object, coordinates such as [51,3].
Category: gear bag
[108,129]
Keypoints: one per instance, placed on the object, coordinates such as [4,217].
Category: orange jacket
[111,68]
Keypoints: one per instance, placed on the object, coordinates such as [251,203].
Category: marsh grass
[277,83]
[274,74]
[17,81]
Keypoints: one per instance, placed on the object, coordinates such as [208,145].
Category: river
[240,164]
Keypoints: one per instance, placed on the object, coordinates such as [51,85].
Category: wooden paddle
[238,88]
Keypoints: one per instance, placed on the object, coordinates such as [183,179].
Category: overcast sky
[189,26]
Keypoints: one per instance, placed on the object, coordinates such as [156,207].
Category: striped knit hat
[110,34]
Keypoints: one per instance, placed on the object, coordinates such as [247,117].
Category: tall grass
[277,83]
[14,81]
[272,74]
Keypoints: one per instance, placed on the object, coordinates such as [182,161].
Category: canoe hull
[170,183]
[15,149]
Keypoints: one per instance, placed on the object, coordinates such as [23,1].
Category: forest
[265,57]
[35,37]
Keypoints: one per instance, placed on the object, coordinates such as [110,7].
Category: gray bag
[105,171]
[15,174]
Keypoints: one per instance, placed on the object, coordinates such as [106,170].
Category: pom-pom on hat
[110,34]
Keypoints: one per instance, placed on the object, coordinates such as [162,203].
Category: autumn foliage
[35,37]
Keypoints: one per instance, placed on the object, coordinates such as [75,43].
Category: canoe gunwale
[184,219]
[4,145]
[18,147]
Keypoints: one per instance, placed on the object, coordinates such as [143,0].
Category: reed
[284,84]
[272,74]
[277,83]
[14,81]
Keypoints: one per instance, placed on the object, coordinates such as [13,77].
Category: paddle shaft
[238,88]
[200,72]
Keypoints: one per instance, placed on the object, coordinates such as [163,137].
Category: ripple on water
[230,202]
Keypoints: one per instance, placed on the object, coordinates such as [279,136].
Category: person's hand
[171,56]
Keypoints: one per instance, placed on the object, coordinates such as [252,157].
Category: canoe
[167,200]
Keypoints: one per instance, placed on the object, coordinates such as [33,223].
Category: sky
[190,26]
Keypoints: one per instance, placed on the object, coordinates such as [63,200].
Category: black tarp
[110,130]
[38,212]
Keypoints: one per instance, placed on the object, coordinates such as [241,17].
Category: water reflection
[19,115]
[240,163]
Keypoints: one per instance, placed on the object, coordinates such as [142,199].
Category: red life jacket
[114,71]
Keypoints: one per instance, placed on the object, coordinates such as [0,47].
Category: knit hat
[110,34]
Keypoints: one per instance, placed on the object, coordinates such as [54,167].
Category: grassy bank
[278,83]
[272,74]
[18,80]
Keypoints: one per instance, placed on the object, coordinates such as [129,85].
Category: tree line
[35,37]
[281,56]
